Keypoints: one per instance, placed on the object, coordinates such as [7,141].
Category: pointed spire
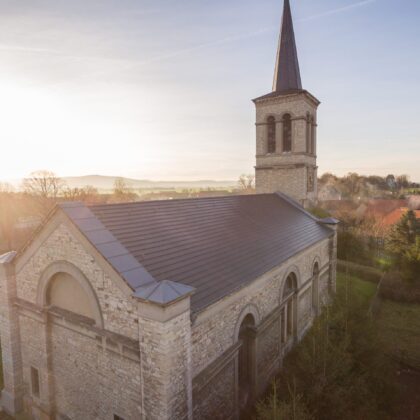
[287,74]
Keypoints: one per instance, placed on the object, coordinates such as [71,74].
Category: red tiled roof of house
[396,215]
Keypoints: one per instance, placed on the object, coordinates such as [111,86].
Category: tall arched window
[315,288]
[271,135]
[287,133]
[308,133]
[246,362]
[288,313]
[313,128]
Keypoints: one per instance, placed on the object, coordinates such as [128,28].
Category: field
[400,327]
[364,289]
[399,330]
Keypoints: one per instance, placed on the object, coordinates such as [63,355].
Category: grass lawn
[399,324]
[356,286]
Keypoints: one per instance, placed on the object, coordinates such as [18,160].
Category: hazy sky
[162,89]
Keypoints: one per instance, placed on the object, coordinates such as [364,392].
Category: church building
[178,309]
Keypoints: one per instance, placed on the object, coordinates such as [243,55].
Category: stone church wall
[88,381]
[84,371]
[214,331]
[119,313]
[93,372]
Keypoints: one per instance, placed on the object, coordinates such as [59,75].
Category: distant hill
[102,182]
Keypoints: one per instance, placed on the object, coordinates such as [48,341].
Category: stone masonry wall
[285,171]
[213,333]
[88,381]
[84,372]
[119,313]
[166,358]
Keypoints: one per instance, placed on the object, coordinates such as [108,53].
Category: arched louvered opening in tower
[287,133]
[271,135]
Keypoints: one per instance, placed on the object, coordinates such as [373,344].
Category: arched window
[246,363]
[313,135]
[271,135]
[66,293]
[308,133]
[287,133]
[288,313]
[315,288]
[290,285]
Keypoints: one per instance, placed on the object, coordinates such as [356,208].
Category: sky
[162,89]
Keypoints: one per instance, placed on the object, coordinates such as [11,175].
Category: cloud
[336,11]
[23,49]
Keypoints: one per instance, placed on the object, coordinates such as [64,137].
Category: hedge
[365,273]
[393,287]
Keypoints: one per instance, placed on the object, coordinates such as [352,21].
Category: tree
[403,234]
[338,371]
[122,192]
[391,182]
[411,262]
[404,244]
[403,181]
[87,194]
[353,185]
[8,217]
[44,187]
[246,184]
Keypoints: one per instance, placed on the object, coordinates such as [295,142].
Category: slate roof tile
[215,245]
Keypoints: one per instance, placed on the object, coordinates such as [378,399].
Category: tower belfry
[286,124]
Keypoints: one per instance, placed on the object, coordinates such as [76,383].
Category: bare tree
[8,217]
[87,194]
[45,187]
[403,181]
[122,191]
[246,184]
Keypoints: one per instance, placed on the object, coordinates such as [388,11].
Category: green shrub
[394,287]
[338,371]
[274,409]
[365,273]
[353,247]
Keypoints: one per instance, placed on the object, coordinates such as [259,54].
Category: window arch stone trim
[316,260]
[291,270]
[69,268]
[249,309]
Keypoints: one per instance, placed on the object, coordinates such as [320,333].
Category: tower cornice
[274,96]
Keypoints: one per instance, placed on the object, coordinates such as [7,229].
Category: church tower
[286,127]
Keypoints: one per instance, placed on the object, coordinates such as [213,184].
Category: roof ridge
[175,200]
[296,205]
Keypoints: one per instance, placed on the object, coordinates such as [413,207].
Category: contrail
[339,10]
[205,45]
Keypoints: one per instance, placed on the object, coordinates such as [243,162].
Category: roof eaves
[35,233]
[107,245]
[296,205]
[164,293]
[329,221]
[8,257]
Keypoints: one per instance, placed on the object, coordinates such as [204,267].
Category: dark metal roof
[214,245]
[287,73]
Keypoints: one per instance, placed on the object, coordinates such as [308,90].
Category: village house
[178,309]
